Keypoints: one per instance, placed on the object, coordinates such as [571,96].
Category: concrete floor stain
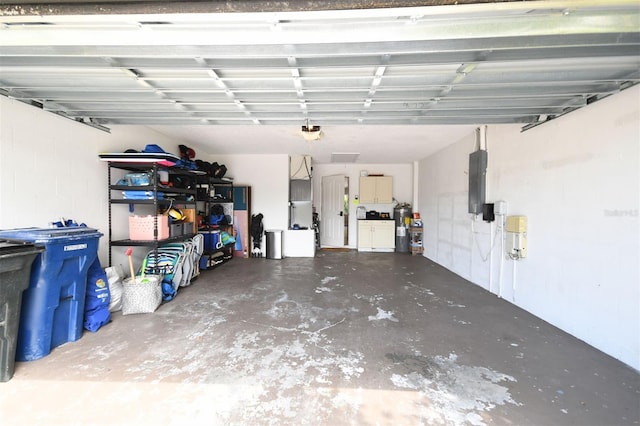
[456,394]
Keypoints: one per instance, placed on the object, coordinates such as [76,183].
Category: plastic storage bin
[16,259]
[176,229]
[53,304]
[274,244]
[187,228]
[141,228]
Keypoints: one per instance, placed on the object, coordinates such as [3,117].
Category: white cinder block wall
[268,176]
[49,168]
[577,179]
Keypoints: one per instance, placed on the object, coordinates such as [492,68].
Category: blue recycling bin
[53,305]
[16,258]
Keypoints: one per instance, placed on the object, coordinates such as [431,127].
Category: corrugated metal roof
[515,62]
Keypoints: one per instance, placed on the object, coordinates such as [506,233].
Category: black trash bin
[16,258]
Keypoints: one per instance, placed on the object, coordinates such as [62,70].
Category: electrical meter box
[517,224]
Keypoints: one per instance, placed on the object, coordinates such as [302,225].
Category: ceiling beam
[118,7]
[509,62]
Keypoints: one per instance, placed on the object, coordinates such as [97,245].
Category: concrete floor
[345,338]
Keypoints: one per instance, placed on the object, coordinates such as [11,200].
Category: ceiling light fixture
[311,133]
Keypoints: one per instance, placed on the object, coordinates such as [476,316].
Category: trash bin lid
[46,235]
[13,247]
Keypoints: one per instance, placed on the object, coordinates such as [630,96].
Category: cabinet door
[367,189]
[384,189]
[376,189]
[383,236]
[364,234]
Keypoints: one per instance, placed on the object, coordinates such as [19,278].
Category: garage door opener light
[311,133]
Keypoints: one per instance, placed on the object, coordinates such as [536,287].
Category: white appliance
[299,243]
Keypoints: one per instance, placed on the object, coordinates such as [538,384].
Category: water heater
[402,219]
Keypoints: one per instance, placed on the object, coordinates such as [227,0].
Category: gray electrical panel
[477,180]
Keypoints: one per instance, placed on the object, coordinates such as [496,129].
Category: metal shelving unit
[223,194]
[174,195]
[416,241]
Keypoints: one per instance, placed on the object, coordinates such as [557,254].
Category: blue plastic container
[53,304]
[211,239]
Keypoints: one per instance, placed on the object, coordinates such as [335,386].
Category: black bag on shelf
[217,171]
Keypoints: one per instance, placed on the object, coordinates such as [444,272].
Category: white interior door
[332,219]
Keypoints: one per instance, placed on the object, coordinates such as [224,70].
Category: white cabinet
[376,189]
[376,235]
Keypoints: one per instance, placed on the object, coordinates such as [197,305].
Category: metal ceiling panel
[516,62]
